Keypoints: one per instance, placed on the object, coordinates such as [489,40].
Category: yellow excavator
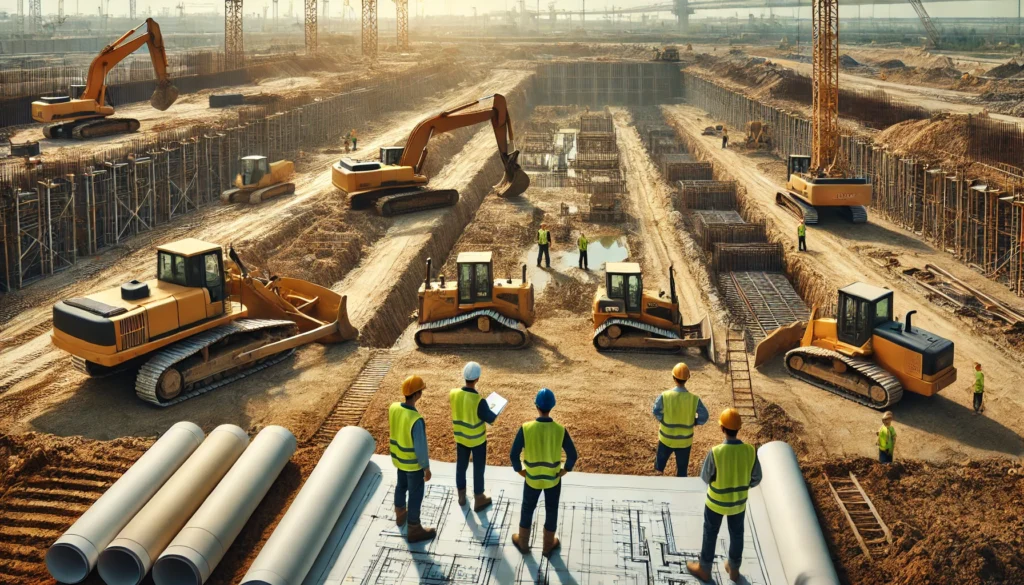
[395,184]
[88,116]
[203,322]
[259,181]
[477,309]
[627,319]
[863,354]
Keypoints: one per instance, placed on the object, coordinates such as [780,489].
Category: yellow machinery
[669,54]
[863,354]
[88,115]
[823,179]
[259,181]
[396,183]
[477,309]
[758,135]
[201,323]
[627,319]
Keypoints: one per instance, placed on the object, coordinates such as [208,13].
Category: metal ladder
[739,373]
[871,532]
[350,408]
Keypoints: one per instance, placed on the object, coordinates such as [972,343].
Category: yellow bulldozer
[259,181]
[396,184]
[477,309]
[203,322]
[863,354]
[758,135]
[627,319]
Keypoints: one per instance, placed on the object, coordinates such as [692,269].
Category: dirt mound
[775,424]
[892,64]
[1006,70]
[940,137]
[848,61]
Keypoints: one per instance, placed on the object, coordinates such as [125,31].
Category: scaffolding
[402,18]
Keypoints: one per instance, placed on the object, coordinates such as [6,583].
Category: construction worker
[543,243]
[352,135]
[678,411]
[581,243]
[886,438]
[801,237]
[543,441]
[410,456]
[470,417]
[979,389]
[725,137]
[730,470]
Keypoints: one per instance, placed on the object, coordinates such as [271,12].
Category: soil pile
[941,137]
[892,64]
[1008,69]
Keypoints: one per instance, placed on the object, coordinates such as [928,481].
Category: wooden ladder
[350,408]
[871,532]
[739,373]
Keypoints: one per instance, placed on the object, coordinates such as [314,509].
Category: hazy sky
[974,8]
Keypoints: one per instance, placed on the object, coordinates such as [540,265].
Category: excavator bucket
[781,340]
[516,181]
[164,95]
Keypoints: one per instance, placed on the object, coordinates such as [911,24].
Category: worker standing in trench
[801,237]
[677,411]
[411,457]
[470,417]
[581,243]
[725,137]
[730,470]
[979,389]
[886,439]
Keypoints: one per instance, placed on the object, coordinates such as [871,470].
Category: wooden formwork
[706,195]
[682,167]
[713,227]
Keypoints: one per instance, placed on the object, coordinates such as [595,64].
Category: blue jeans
[665,452]
[712,524]
[412,482]
[462,454]
[884,457]
[530,498]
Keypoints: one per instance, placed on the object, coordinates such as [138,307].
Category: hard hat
[471,372]
[412,385]
[731,419]
[681,372]
[545,399]
[887,415]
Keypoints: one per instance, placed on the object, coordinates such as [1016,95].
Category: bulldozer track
[149,373]
[636,326]
[867,369]
[872,534]
[352,404]
[506,325]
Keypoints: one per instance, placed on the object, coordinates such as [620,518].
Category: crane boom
[926,22]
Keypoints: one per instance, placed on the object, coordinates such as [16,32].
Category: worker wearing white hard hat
[470,417]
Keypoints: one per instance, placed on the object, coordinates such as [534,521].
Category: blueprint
[615,530]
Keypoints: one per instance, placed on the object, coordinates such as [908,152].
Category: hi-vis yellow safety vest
[542,453]
[678,416]
[582,243]
[401,419]
[734,463]
[470,431]
[801,230]
[543,237]
[887,439]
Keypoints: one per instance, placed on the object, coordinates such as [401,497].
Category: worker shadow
[948,418]
[661,361]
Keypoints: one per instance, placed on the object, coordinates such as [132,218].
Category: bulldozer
[670,54]
[396,184]
[477,309]
[758,135]
[203,322]
[259,181]
[88,115]
[863,354]
[627,319]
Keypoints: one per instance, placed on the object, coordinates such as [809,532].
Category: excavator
[477,309]
[759,135]
[203,322]
[627,319]
[88,116]
[863,354]
[259,181]
[824,179]
[396,183]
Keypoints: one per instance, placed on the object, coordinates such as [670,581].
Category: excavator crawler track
[175,356]
[877,387]
[416,200]
[92,128]
[464,331]
[632,337]
[802,210]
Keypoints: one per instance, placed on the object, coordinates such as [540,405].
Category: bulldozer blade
[163,96]
[781,340]
[516,181]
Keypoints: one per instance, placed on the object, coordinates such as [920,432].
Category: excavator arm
[115,52]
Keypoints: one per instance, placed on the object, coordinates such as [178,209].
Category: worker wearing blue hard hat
[470,417]
[537,456]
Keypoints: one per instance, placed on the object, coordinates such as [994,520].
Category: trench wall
[600,83]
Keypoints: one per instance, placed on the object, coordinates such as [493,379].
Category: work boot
[698,571]
[522,540]
[462,497]
[551,543]
[400,515]
[734,574]
[481,501]
[417,533]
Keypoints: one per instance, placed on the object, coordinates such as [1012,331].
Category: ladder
[739,372]
[871,532]
[352,404]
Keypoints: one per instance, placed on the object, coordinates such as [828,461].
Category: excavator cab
[798,164]
[253,169]
[862,307]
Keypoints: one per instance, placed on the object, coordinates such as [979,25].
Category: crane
[926,22]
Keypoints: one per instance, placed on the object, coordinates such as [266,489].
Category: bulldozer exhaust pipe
[906,324]
[426,282]
[524,273]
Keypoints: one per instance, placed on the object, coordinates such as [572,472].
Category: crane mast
[825,86]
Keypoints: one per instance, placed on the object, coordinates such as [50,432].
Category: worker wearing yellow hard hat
[678,411]
[411,458]
[730,470]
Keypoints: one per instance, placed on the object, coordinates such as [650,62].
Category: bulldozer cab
[475,281]
[798,164]
[862,307]
[624,283]
[195,264]
[253,169]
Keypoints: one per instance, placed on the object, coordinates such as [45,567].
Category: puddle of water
[599,252]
